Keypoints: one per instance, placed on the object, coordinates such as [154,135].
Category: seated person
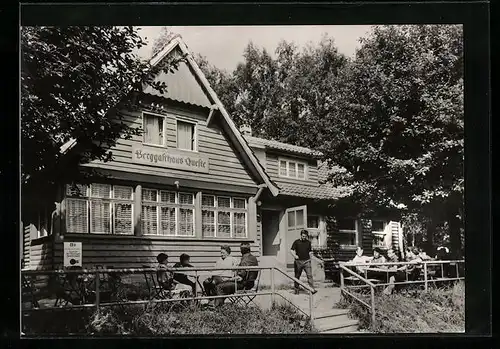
[163,275]
[359,258]
[377,258]
[218,276]
[245,279]
[397,272]
[413,270]
[181,277]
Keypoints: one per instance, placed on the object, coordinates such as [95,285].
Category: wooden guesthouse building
[193,182]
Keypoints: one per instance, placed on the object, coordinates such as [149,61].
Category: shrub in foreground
[162,320]
[438,310]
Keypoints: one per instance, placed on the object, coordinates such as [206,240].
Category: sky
[223,45]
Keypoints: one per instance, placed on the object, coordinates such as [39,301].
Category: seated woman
[359,258]
[165,277]
[183,278]
[413,270]
[377,274]
[219,276]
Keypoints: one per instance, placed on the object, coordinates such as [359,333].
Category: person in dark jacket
[245,279]
[181,277]
[301,250]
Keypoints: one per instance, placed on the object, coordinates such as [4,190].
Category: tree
[399,130]
[72,78]
[162,40]
[283,98]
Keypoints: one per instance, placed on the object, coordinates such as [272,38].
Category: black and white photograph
[244,179]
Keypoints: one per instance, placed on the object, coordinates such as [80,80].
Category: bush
[438,310]
[161,320]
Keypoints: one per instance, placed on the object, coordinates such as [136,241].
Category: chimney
[246,130]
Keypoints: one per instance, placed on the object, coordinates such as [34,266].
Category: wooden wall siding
[122,251]
[272,169]
[395,235]
[224,164]
[26,247]
[41,256]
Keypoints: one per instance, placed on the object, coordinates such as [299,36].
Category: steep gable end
[183,85]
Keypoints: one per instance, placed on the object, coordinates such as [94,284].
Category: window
[347,232]
[186,136]
[378,230]
[153,129]
[292,169]
[99,209]
[313,221]
[224,216]
[167,213]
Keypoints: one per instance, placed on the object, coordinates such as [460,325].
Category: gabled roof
[217,104]
[289,148]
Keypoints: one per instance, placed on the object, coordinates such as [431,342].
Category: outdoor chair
[29,290]
[157,292]
[249,294]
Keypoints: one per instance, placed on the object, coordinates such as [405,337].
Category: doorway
[270,233]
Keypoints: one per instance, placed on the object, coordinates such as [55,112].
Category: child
[163,275]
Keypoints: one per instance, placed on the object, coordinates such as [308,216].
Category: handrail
[358,276]
[306,286]
[134,270]
[344,267]
[99,271]
[352,264]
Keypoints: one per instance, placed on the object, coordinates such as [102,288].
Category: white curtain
[152,129]
[184,135]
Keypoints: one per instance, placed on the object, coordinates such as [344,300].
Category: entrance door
[270,233]
[296,220]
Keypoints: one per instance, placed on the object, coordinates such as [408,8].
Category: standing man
[302,252]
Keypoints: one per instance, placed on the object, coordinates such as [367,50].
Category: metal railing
[392,268]
[191,271]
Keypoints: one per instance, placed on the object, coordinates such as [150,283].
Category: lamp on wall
[176,183]
[259,203]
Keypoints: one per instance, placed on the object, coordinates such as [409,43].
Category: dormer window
[153,126]
[292,169]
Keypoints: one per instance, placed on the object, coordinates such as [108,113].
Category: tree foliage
[284,97]
[71,79]
[400,132]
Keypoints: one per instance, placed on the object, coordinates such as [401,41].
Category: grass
[438,310]
[162,321]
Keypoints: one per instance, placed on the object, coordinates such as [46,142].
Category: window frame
[350,231]
[231,210]
[164,129]
[88,198]
[297,163]
[176,205]
[195,134]
[380,233]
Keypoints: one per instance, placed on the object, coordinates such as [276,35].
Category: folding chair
[250,293]
[155,291]
[28,290]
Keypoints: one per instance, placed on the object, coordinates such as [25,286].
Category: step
[335,323]
[330,313]
[349,329]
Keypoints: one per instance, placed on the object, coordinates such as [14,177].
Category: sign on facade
[169,158]
[72,254]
